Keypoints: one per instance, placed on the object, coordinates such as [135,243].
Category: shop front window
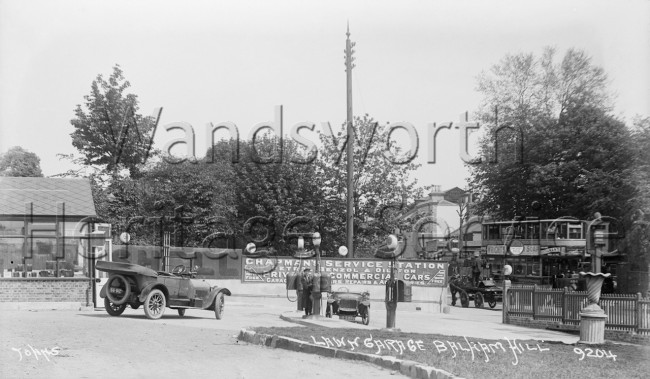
[48,248]
[11,255]
[519,268]
[526,266]
[42,259]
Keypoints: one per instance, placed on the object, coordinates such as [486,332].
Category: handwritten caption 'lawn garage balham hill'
[467,348]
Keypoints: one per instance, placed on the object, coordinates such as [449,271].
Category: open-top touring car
[348,305]
[135,285]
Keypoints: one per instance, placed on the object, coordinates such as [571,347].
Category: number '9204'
[591,353]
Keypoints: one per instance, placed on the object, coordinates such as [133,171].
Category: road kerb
[409,368]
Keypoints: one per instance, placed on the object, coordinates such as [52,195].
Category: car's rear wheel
[492,303]
[154,304]
[112,308]
[122,286]
[181,312]
[218,306]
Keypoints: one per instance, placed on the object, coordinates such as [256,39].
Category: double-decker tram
[541,251]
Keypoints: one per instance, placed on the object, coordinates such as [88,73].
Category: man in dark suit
[307,286]
[477,267]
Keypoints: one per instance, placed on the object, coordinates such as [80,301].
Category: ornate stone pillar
[592,317]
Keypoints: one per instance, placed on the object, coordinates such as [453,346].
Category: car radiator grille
[348,304]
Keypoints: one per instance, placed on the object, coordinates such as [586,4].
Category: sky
[209,61]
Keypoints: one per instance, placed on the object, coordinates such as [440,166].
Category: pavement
[472,323]
[467,322]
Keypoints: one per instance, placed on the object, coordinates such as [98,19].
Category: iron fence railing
[625,312]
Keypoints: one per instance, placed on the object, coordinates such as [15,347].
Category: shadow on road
[100,314]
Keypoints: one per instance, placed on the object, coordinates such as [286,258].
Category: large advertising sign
[346,271]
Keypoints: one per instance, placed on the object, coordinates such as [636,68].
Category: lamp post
[599,239]
[391,287]
[593,317]
[507,269]
[300,301]
[317,275]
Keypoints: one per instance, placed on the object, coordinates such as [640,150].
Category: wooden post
[506,304]
[534,302]
[638,312]
[350,145]
[564,305]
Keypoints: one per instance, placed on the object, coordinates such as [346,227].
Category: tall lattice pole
[350,143]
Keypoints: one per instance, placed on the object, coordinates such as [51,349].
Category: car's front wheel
[464,299]
[112,308]
[365,316]
[478,300]
[218,306]
[154,304]
[328,311]
[491,300]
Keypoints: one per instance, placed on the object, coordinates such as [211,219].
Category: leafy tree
[637,238]
[317,188]
[640,144]
[237,191]
[203,190]
[279,191]
[381,186]
[108,131]
[526,88]
[20,162]
[552,149]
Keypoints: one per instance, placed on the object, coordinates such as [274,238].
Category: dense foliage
[20,162]
[108,130]
[552,149]
[382,187]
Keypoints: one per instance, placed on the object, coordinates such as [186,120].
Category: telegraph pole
[350,143]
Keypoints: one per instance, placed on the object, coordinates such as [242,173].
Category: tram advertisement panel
[528,250]
[346,271]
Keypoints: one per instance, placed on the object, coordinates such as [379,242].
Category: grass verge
[481,358]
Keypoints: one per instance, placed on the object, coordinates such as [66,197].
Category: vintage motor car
[348,305]
[135,285]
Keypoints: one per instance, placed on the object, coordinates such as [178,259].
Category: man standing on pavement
[307,285]
[477,267]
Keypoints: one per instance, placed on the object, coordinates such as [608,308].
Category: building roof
[44,194]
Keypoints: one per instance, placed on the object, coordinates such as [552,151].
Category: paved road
[92,344]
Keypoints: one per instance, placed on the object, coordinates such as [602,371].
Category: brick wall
[45,290]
